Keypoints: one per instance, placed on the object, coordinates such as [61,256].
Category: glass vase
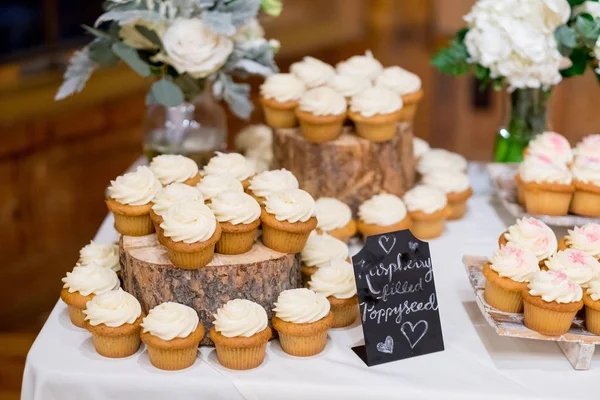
[195,129]
[526,117]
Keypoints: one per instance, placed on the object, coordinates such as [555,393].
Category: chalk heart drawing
[386,346]
[413,246]
[413,333]
[386,243]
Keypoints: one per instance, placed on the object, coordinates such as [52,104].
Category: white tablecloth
[477,364]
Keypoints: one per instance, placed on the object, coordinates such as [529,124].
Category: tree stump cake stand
[258,275]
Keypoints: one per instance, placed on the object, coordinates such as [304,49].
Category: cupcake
[212,185]
[457,189]
[551,301]
[507,274]
[279,96]
[585,238]
[233,164]
[240,332]
[579,266]
[82,284]
[589,146]
[349,85]
[172,333]
[337,283]
[420,147]
[190,232]
[405,84]
[365,66]
[320,251]
[441,160]
[533,235]
[302,319]
[335,218]
[312,72]
[547,186]
[173,193]
[520,185]
[376,112]
[552,145]
[114,320]
[268,182]
[586,179]
[382,213]
[321,113]
[428,209]
[591,299]
[287,220]
[101,255]
[258,136]
[130,200]
[171,168]
[238,215]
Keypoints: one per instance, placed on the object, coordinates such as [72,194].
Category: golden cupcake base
[586,200]
[241,353]
[190,255]
[548,318]
[237,239]
[131,220]
[175,354]
[303,340]
[116,342]
[503,294]
[429,226]
[283,236]
[547,198]
[345,311]
[279,115]
[320,128]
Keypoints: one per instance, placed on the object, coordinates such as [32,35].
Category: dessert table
[476,364]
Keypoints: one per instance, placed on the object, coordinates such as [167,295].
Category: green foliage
[100,51]
[579,59]
[149,34]
[167,93]
[452,60]
[566,38]
[130,56]
[235,94]
[574,3]
[272,7]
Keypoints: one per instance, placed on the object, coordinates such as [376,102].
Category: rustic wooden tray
[577,344]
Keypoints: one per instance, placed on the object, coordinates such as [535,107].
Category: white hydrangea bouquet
[183,44]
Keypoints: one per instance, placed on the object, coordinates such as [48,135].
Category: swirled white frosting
[398,80]
[292,205]
[170,168]
[258,136]
[587,169]
[425,198]
[366,66]
[102,255]
[169,320]
[555,286]
[135,188]
[269,182]
[514,262]
[349,85]
[301,306]
[420,147]
[282,88]
[578,265]
[589,146]
[382,209]
[332,214]
[448,181]
[211,185]
[553,145]
[440,159]
[233,164]
[541,168]
[375,100]
[323,101]
[336,280]
[312,72]
[174,193]
[235,208]
[534,235]
[88,279]
[189,222]
[240,318]
[585,238]
[321,250]
[113,309]
[593,289]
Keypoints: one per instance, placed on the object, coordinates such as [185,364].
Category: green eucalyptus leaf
[460,35]
[566,37]
[100,51]
[97,32]
[574,3]
[579,58]
[452,60]
[167,93]
[150,35]
[129,55]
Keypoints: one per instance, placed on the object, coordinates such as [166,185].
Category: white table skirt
[477,364]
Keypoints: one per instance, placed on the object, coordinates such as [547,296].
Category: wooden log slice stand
[258,275]
[350,168]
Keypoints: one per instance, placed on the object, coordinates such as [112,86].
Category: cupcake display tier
[258,275]
[350,168]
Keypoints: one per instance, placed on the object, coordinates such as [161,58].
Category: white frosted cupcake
[591,299]
[239,216]
[532,234]
[349,85]
[101,255]
[171,168]
[457,188]
[586,180]
[320,251]
[578,265]
[337,283]
[172,333]
[321,113]
[552,145]
[114,320]
[302,319]
[382,213]
[404,83]
[233,164]
[589,146]
[428,209]
[268,182]
[82,284]
[441,160]
[585,238]
[258,136]
[335,218]
[420,147]
[362,65]
[312,72]
[240,332]
[173,193]
[212,185]
[279,96]
[130,200]
[376,112]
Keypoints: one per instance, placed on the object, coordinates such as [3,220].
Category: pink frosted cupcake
[531,234]
[553,145]
[589,146]
[585,238]
[579,266]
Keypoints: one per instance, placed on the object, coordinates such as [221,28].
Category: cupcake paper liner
[283,241]
[428,229]
[319,129]
[592,320]
[194,260]
[235,243]
[344,314]
[586,203]
[545,321]
[303,346]
[241,358]
[77,316]
[501,299]
[546,202]
[116,347]
[458,209]
[141,225]
[173,359]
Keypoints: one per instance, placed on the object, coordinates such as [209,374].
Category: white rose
[561,11]
[193,48]
[135,39]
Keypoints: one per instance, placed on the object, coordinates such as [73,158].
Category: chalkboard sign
[397,299]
